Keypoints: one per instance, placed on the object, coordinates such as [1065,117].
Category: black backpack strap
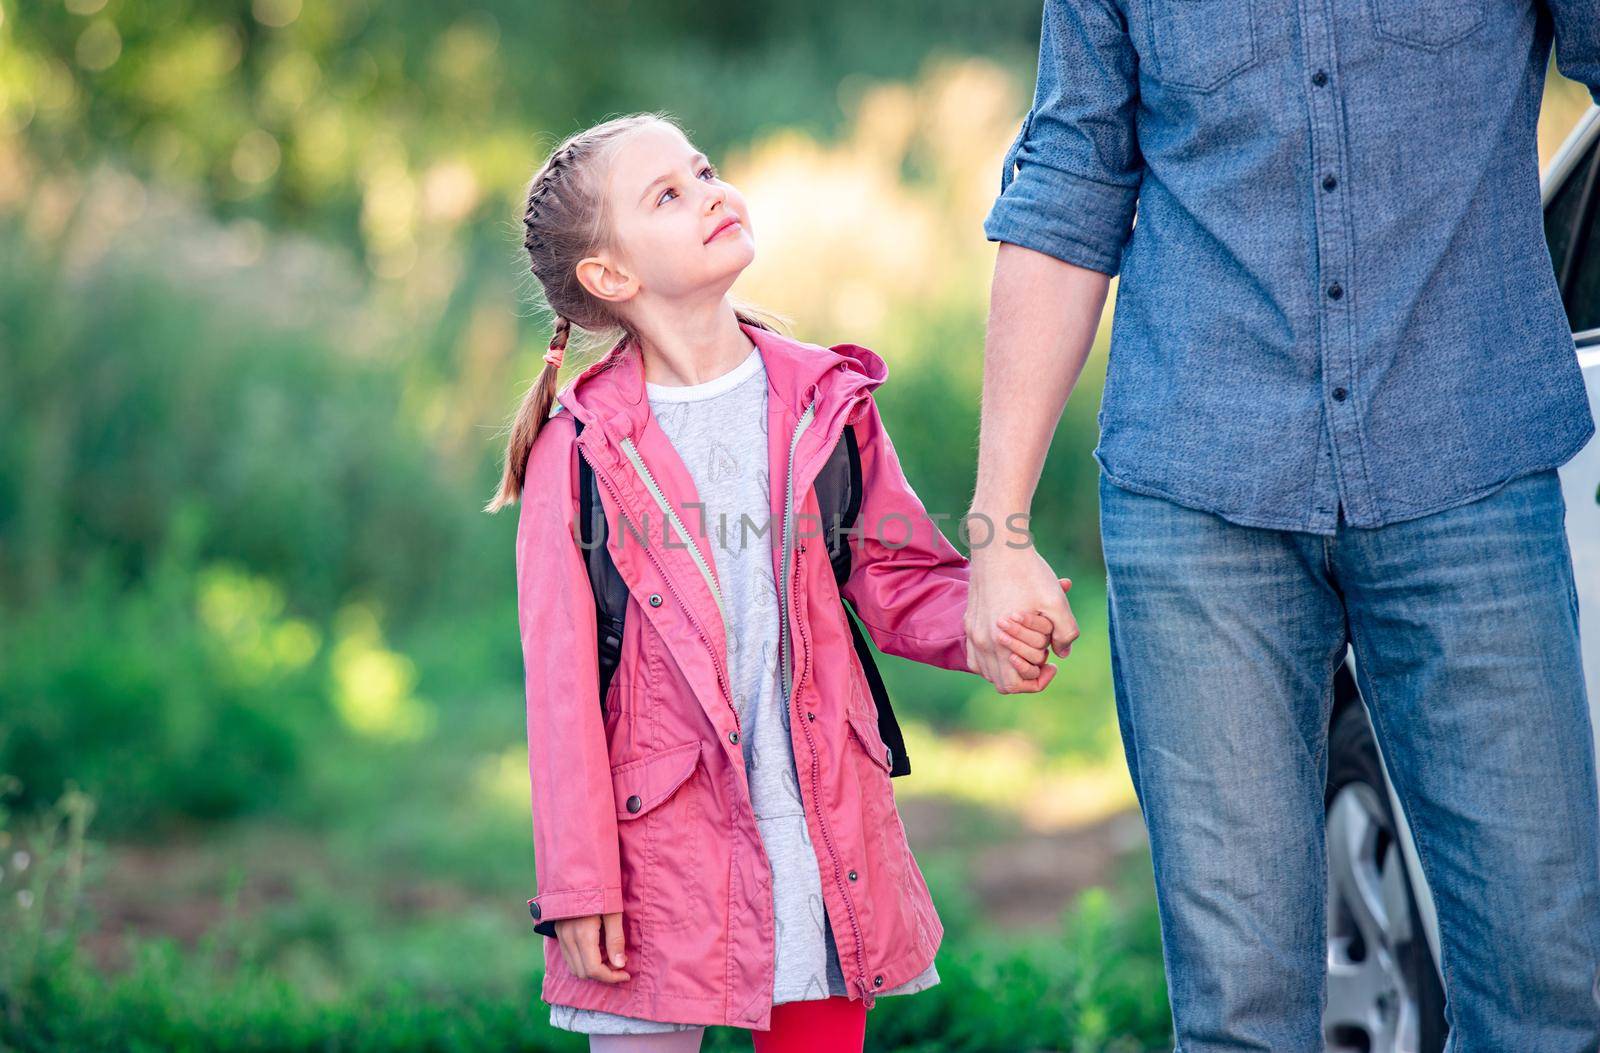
[888,726]
[610,592]
[838,487]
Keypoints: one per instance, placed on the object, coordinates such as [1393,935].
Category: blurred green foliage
[263,317]
[284,109]
[329,971]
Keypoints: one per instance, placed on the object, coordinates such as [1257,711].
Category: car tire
[1384,994]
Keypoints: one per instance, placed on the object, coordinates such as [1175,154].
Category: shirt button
[1329,181]
[1339,394]
[733,737]
[1319,78]
[1335,291]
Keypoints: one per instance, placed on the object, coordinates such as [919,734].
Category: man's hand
[1006,581]
[581,944]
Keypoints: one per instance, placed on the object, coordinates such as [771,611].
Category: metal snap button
[888,756]
[733,737]
[655,599]
[533,908]
[852,875]
[877,981]
[634,804]
[811,716]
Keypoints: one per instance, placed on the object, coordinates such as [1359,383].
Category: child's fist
[589,943]
[1026,634]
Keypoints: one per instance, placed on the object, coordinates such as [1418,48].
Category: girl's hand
[582,940]
[1026,635]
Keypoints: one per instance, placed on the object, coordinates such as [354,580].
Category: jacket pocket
[642,784]
[887,858]
[1427,24]
[1199,45]
[865,730]
[673,875]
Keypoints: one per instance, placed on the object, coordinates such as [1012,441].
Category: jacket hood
[610,394]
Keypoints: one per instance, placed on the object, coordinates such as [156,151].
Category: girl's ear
[605,281]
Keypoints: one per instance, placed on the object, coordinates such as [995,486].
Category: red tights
[824,1025]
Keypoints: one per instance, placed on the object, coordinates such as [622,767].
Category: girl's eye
[708,168]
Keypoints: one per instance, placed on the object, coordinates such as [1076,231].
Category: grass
[273,937]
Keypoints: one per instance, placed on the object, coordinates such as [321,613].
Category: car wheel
[1384,994]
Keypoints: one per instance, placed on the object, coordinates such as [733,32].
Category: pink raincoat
[645,808]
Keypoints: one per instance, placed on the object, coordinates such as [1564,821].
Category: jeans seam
[1325,714]
[1424,852]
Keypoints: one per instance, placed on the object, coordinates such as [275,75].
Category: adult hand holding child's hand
[587,943]
[1017,611]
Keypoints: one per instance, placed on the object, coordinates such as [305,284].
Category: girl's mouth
[731,223]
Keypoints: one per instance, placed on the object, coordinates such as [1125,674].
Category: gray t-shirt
[719,429]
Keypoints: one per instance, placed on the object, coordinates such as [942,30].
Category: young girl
[716,841]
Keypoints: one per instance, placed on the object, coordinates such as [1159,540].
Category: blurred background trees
[263,316]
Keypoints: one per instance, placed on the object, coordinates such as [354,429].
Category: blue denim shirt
[1337,298]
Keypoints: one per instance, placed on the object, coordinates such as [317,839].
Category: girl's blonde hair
[563,222]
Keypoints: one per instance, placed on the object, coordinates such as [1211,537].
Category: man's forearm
[1043,314]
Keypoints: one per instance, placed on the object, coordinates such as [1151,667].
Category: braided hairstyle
[564,221]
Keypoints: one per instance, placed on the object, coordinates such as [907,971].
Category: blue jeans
[1464,622]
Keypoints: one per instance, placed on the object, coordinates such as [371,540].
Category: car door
[1572,229]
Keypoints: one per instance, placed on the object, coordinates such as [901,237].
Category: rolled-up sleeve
[1069,184]
[1577,25]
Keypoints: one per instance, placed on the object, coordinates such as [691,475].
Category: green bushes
[325,971]
[204,511]
[143,698]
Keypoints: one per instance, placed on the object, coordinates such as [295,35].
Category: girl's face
[678,228]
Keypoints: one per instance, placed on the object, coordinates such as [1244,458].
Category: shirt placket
[1333,297]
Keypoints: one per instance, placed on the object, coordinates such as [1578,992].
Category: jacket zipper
[666,510]
[789,689]
[722,680]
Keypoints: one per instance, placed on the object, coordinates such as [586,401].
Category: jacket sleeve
[574,813]
[908,584]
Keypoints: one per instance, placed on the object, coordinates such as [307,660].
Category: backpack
[838,489]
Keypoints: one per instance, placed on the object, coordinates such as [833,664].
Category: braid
[542,185]
[536,195]
[564,222]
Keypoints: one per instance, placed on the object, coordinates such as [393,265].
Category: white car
[1384,990]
